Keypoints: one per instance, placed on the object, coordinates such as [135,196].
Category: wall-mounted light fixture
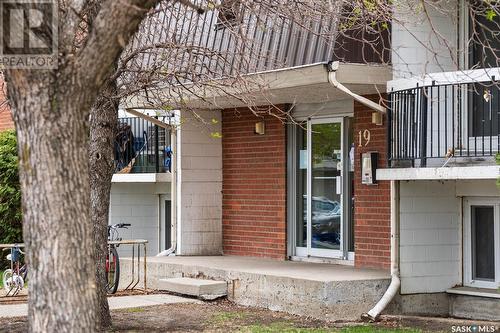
[377,118]
[260,128]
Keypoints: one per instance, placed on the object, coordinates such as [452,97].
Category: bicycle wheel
[24,273]
[112,270]
[7,280]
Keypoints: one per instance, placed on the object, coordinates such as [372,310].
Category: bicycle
[14,278]
[112,258]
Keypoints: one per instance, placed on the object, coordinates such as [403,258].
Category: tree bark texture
[52,134]
[51,109]
[103,123]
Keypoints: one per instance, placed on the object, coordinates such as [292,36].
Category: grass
[231,319]
[223,317]
[134,310]
[287,328]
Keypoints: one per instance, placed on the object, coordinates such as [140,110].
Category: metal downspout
[393,288]
[332,70]
[173,198]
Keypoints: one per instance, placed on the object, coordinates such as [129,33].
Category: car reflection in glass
[325,222]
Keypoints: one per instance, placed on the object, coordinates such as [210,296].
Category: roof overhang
[304,84]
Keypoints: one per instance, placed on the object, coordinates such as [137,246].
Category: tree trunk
[53,146]
[103,123]
[51,109]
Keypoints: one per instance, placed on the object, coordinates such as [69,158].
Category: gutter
[332,79]
[393,288]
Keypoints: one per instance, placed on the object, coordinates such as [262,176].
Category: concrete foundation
[474,307]
[436,304]
[333,292]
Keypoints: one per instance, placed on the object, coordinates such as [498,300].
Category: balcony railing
[141,147]
[444,119]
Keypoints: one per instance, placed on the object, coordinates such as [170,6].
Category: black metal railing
[444,124]
[141,147]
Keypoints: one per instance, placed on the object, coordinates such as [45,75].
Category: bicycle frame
[19,272]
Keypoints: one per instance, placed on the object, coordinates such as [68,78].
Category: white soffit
[302,84]
[447,173]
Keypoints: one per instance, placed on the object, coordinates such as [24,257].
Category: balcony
[444,119]
[141,147]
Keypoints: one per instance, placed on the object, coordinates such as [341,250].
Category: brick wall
[372,203]
[254,186]
[6,121]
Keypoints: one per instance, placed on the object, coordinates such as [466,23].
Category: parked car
[325,221]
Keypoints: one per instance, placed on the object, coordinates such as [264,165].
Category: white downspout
[393,289]
[332,78]
[173,197]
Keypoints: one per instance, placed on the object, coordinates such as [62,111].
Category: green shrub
[10,191]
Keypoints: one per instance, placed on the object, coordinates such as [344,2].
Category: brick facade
[372,202]
[6,121]
[254,190]
[254,185]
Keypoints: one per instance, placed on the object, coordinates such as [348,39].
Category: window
[484,52]
[229,13]
[482,243]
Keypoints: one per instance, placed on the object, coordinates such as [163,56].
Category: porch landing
[327,291]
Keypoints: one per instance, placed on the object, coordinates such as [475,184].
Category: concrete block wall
[200,218]
[424,41]
[430,243]
[254,201]
[372,206]
[137,204]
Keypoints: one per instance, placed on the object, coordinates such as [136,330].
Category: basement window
[482,243]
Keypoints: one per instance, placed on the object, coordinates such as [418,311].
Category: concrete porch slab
[335,292]
[290,269]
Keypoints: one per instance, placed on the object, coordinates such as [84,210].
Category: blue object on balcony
[168,158]
[138,143]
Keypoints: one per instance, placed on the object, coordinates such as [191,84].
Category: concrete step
[204,289]
[474,305]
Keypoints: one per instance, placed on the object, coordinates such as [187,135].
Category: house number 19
[364,135]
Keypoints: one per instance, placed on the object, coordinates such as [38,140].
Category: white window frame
[467,249]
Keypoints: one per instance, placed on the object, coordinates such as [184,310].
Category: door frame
[467,247]
[309,251]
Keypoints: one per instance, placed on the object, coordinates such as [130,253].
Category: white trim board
[447,173]
[443,78]
[479,292]
[142,178]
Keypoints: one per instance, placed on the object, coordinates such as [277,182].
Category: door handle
[338,184]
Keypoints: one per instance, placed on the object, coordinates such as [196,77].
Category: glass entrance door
[319,189]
